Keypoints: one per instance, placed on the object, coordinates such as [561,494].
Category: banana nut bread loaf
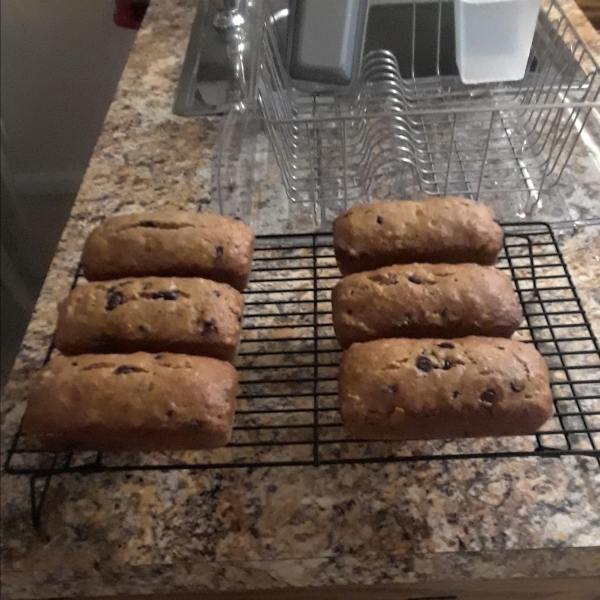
[170,244]
[422,300]
[136,402]
[444,230]
[403,389]
[151,314]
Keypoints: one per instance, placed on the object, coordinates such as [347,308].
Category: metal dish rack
[287,413]
[508,141]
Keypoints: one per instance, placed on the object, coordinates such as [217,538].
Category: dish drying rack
[504,143]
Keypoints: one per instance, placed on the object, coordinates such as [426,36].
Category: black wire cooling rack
[287,404]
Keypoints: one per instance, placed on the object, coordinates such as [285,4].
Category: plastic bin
[493,38]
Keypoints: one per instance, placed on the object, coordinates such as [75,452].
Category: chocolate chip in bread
[444,230]
[136,402]
[151,314]
[423,300]
[402,389]
[170,244]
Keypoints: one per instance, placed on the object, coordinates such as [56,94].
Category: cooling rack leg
[37,499]
[315,354]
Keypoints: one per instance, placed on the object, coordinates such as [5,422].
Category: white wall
[60,63]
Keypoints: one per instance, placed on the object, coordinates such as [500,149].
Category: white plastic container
[493,38]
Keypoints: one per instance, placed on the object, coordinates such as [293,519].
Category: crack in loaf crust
[170,244]
[151,314]
[137,402]
[403,389]
[421,300]
[445,230]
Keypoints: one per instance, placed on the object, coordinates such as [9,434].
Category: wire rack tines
[287,404]
[480,141]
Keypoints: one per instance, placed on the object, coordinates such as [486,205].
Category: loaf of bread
[402,389]
[444,230]
[170,244]
[137,402]
[151,314]
[422,300]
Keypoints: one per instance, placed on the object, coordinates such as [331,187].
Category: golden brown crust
[138,402]
[421,300]
[404,389]
[170,244]
[444,230]
[151,314]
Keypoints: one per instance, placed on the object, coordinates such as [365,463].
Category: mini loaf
[421,300]
[445,230]
[402,389]
[151,314]
[138,402]
[170,244]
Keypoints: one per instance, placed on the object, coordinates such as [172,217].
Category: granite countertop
[269,527]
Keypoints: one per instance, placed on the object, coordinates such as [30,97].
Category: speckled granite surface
[144,533]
